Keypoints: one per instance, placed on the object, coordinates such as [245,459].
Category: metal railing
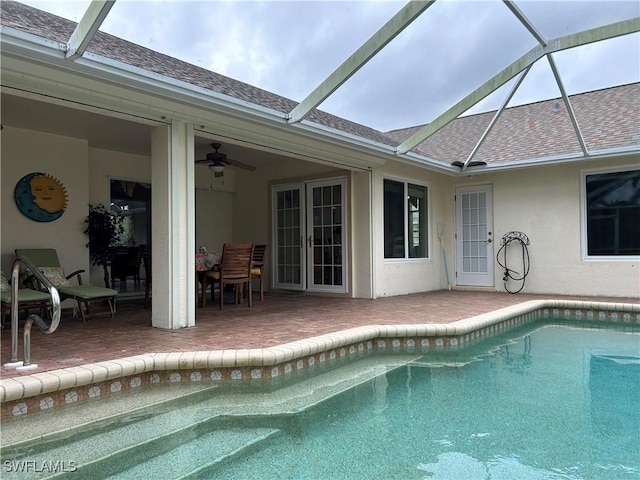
[33,318]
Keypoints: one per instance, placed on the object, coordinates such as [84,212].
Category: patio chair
[27,299]
[235,269]
[257,266]
[125,262]
[46,259]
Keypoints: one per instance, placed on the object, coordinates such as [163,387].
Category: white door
[288,236]
[474,236]
[309,236]
[326,236]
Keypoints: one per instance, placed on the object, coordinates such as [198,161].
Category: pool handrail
[42,325]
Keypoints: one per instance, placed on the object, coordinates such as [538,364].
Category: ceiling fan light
[218,170]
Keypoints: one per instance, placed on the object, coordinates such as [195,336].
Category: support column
[362,218]
[173,226]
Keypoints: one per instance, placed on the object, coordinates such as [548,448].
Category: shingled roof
[608,118]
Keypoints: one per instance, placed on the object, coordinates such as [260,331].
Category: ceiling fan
[218,161]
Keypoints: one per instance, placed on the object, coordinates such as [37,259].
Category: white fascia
[387,151]
[608,153]
[19,42]
[418,160]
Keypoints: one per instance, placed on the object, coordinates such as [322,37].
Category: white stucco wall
[26,151]
[542,202]
[214,207]
[545,204]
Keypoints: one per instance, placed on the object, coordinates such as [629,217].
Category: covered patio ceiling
[505,83]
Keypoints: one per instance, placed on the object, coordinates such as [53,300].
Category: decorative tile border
[40,391]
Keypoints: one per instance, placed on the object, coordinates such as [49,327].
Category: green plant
[104,230]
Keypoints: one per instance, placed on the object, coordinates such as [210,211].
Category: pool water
[540,402]
[557,403]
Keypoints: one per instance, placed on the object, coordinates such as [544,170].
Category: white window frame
[583,216]
[406,258]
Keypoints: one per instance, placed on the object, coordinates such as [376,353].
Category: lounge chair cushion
[56,276]
[87,292]
[25,295]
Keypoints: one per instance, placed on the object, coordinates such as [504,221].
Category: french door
[474,236]
[310,236]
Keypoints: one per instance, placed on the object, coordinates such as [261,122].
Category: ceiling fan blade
[204,160]
[239,164]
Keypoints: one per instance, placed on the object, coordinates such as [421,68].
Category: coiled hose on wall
[506,241]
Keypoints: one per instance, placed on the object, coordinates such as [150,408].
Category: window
[405,220]
[613,213]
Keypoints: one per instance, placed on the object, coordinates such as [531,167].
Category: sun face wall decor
[40,197]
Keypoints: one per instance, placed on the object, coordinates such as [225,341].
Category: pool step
[98,452]
[189,459]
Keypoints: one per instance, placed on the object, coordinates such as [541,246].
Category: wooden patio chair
[235,269]
[257,266]
[46,259]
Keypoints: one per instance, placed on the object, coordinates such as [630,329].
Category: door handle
[310,241]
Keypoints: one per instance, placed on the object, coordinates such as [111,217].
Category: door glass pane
[326,216]
[337,194]
[328,277]
[337,275]
[337,235]
[474,232]
[326,196]
[327,227]
[327,237]
[288,236]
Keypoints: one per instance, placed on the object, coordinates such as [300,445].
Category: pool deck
[280,319]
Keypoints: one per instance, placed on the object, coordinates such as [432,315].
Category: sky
[289,47]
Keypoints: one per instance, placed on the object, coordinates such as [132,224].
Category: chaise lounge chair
[27,299]
[46,259]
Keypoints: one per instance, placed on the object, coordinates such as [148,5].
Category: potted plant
[104,230]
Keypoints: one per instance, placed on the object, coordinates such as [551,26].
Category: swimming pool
[543,401]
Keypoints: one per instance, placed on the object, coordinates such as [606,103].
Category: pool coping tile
[279,359]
